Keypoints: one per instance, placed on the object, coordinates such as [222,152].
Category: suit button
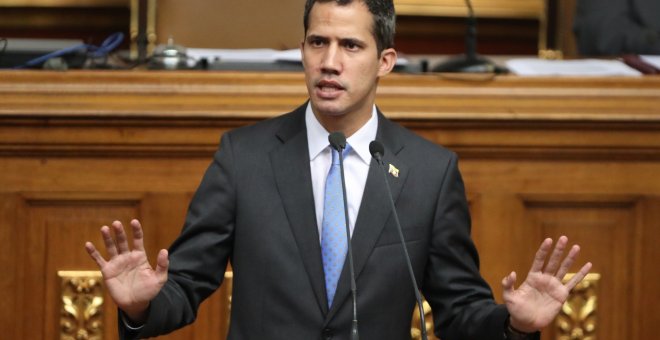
[327,334]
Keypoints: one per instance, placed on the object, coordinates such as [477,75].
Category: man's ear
[387,61]
[302,52]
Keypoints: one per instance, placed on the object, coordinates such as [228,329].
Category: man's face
[341,62]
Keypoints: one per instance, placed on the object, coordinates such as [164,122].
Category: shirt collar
[317,136]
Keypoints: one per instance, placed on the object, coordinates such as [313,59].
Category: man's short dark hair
[382,12]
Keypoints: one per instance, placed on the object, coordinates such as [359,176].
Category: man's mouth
[329,89]
[329,85]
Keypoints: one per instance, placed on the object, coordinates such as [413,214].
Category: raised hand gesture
[128,276]
[538,300]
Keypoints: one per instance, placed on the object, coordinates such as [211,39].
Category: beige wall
[231,23]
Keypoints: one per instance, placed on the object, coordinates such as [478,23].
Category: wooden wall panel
[646,275]
[11,291]
[539,156]
[606,230]
[57,223]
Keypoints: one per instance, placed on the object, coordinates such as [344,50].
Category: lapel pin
[393,171]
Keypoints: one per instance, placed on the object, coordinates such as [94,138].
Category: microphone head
[337,140]
[377,149]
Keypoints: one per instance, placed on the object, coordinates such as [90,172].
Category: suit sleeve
[199,256]
[462,302]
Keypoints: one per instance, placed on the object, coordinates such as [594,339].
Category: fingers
[579,276]
[94,254]
[555,257]
[539,258]
[568,262]
[110,246]
[119,244]
[138,240]
[555,265]
[122,241]
[162,264]
[508,282]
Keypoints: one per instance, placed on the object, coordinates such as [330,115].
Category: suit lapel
[375,209]
[290,164]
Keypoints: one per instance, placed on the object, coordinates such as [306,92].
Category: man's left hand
[538,300]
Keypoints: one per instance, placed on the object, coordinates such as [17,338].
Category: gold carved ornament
[577,318]
[81,314]
[82,302]
[415,331]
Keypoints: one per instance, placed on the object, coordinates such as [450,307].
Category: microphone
[377,151]
[469,62]
[338,142]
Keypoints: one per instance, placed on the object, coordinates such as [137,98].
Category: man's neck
[347,123]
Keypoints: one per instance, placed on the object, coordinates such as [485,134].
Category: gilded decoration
[229,283]
[81,314]
[577,318]
[415,331]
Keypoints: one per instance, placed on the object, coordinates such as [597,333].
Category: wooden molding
[483,8]
[185,112]
[431,97]
[64,3]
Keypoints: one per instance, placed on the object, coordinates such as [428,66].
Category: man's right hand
[129,278]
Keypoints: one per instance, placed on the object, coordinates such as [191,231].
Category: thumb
[507,284]
[162,264]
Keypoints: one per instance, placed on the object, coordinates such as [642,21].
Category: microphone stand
[470,62]
[377,150]
[338,142]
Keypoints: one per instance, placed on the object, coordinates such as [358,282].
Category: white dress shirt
[356,163]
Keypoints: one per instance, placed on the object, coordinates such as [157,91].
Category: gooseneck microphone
[377,151]
[469,62]
[338,142]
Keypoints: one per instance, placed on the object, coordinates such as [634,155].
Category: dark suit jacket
[255,208]
[615,27]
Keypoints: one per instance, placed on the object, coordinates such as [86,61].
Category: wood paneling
[486,8]
[600,225]
[505,27]
[56,225]
[429,35]
[65,3]
[89,24]
[11,287]
[646,275]
[540,157]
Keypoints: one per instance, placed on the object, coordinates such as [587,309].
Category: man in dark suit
[615,27]
[263,204]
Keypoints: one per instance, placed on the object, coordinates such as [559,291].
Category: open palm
[128,276]
[539,298]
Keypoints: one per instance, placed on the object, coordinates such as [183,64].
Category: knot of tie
[335,154]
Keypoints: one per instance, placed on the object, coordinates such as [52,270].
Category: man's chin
[329,109]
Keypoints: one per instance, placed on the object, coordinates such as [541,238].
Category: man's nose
[331,62]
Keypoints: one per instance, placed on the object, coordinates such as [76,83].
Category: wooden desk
[540,157]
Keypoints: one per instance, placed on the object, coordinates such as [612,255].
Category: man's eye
[352,46]
[316,42]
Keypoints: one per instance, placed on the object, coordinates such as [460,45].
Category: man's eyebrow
[315,37]
[355,41]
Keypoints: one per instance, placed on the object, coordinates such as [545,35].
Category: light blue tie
[333,233]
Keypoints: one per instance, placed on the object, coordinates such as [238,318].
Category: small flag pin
[393,171]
